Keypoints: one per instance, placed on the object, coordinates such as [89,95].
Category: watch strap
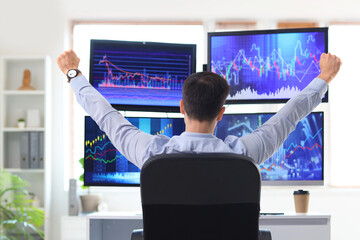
[77,73]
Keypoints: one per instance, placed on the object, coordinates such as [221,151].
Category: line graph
[97,158]
[287,156]
[104,164]
[141,74]
[302,145]
[267,66]
[300,157]
[141,80]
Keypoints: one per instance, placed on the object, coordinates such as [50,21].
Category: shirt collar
[198,135]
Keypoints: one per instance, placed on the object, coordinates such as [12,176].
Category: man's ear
[182,110]
[221,113]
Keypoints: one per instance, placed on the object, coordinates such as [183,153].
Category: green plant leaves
[17,215]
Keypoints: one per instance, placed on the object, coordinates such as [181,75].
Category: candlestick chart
[300,157]
[267,66]
[142,75]
[105,165]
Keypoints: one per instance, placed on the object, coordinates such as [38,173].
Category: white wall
[37,27]
[43,27]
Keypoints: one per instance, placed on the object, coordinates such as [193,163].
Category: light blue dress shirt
[138,146]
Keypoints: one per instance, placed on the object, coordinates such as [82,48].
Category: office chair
[200,197]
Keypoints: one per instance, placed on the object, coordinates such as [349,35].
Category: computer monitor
[105,165]
[298,161]
[267,66]
[141,76]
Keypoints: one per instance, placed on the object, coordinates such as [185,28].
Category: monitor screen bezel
[149,108]
[294,182]
[86,184]
[263,32]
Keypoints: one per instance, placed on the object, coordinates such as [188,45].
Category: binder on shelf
[34,149]
[24,150]
[41,150]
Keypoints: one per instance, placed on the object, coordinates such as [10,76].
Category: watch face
[72,73]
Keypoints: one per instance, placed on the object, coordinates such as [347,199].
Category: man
[204,95]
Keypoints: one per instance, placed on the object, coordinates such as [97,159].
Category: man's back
[189,142]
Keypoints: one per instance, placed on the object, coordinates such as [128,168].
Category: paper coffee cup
[301,199]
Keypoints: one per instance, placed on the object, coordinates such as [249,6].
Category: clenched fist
[330,66]
[68,60]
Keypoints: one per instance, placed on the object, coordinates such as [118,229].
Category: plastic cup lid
[300,192]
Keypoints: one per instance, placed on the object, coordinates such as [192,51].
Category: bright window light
[344,105]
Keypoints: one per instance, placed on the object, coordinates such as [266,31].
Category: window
[344,107]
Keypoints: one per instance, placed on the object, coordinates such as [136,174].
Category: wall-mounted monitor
[141,76]
[105,165]
[268,66]
[298,161]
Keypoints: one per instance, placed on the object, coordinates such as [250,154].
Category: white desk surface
[297,215]
[115,215]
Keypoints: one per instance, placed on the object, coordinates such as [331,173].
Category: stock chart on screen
[140,73]
[267,66]
[105,165]
[299,158]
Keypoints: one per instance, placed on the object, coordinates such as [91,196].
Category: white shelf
[8,129]
[14,104]
[24,92]
[21,170]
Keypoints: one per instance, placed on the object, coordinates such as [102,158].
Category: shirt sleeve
[129,140]
[261,144]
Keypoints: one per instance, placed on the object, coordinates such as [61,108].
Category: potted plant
[89,202]
[18,218]
[21,123]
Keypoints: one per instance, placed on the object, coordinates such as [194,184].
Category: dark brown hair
[204,94]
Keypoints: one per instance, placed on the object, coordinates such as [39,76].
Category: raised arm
[129,140]
[265,140]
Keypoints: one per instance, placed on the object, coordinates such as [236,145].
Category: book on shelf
[24,150]
[32,150]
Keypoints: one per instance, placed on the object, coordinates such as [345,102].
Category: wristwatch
[72,73]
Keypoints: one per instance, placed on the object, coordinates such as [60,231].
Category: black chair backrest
[200,196]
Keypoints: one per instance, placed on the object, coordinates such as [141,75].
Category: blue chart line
[293,145]
[97,148]
[272,66]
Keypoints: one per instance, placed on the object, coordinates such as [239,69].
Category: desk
[119,225]
[112,225]
[297,226]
